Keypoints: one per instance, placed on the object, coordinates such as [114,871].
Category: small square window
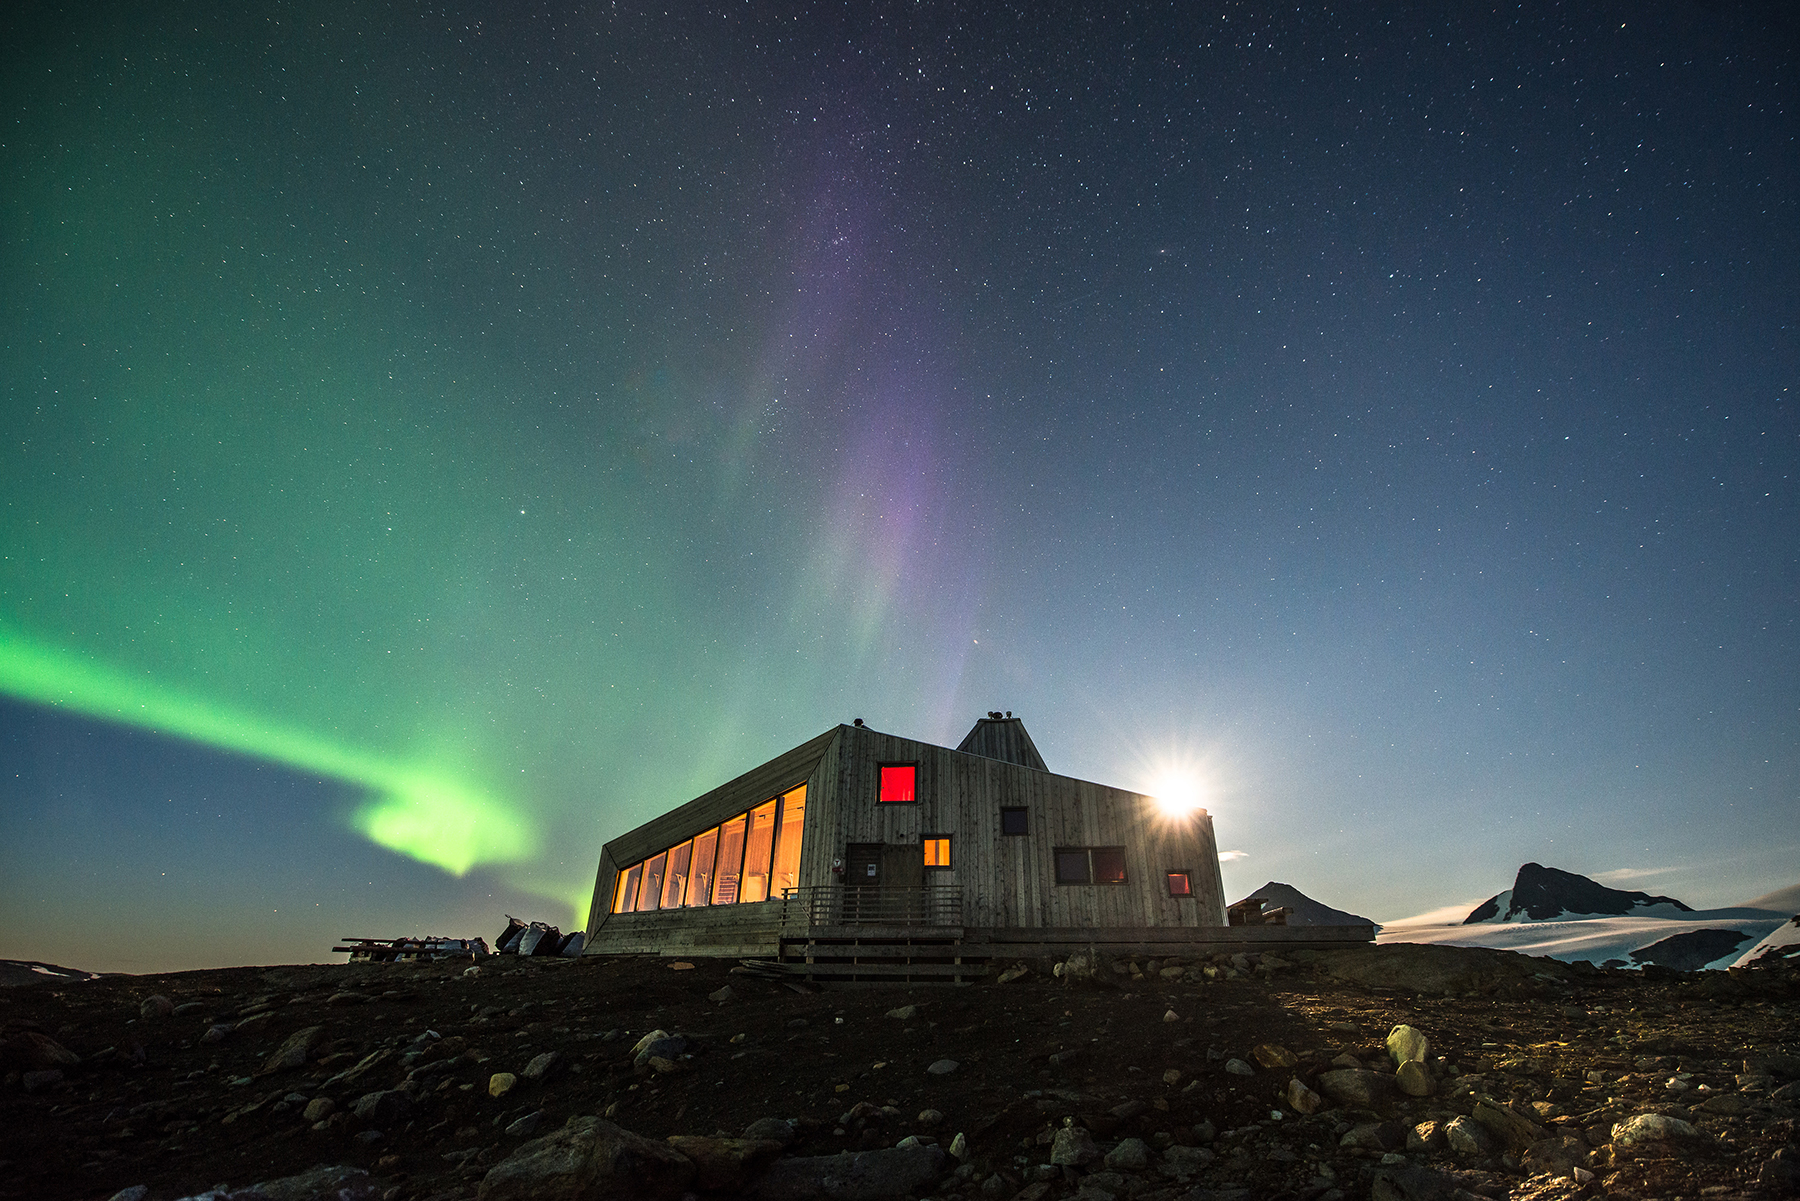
[1015,821]
[937,849]
[1072,866]
[898,781]
[1181,884]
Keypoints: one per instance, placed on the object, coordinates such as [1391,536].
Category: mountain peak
[1304,911]
[1542,894]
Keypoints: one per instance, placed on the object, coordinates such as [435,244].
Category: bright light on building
[1177,795]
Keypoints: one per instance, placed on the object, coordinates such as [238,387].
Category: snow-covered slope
[1304,911]
[1783,941]
[1782,900]
[1569,917]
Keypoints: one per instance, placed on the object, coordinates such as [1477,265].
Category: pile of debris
[536,938]
[519,938]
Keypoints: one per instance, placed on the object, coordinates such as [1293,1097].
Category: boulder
[1086,968]
[1469,1139]
[541,1065]
[1073,1147]
[324,1183]
[293,1052]
[1356,1087]
[1238,1067]
[891,1174]
[501,1083]
[904,1013]
[1131,1155]
[1426,1136]
[1274,1055]
[1653,1128]
[725,1164]
[778,1130]
[1375,1136]
[1413,1079]
[943,1067]
[1515,1131]
[384,1108]
[156,1007]
[589,1157]
[1301,1099]
[1407,1045]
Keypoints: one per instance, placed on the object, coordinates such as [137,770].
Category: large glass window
[788,832]
[759,846]
[650,891]
[731,861]
[899,783]
[752,857]
[676,879]
[700,883]
[625,892]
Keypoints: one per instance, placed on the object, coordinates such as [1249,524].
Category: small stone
[1426,1136]
[681,965]
[541,1065]
[1407,1045]
[1302,1099]
[293,1052]
[775,1130]
[37,1082]
[1469,1139]
[217,1034]
[1274,1055]
[367,1138]
[1017,971]
[1357,1087]
[1414,1079]
[943,1067]
[1169,1015]
[905,1013]
[384,1108]
[1172,1076]
[137,1192]
[1653,1128]
[723,994]
[1073,1147]
[1374,1136]
[526,1126]
[1131,1155]
[501,1083]
[930,1119]
[1238,1067]
[318,1109]
[1517,1132]
[156,1007]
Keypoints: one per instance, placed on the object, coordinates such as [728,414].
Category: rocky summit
[1392,1072]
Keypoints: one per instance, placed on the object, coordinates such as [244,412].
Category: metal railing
[872,905]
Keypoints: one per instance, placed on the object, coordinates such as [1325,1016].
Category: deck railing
[872,905]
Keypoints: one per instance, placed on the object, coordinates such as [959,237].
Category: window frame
[880,768]
[1187,879]
[949,862]
[1024,813]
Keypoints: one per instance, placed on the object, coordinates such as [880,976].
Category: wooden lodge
[863,856]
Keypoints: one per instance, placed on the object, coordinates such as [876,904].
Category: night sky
[437,441]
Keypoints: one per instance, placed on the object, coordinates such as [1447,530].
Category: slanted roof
[1002,738]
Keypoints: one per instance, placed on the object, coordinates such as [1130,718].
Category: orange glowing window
[897,783]
[1181,884]
[937,849]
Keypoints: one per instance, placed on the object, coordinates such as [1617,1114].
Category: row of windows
[752,857]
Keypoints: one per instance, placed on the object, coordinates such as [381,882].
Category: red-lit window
[1181,884]
[898,782]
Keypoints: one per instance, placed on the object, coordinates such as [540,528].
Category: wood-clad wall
[1009,880]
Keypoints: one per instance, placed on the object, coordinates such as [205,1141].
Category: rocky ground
[1145,1080]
